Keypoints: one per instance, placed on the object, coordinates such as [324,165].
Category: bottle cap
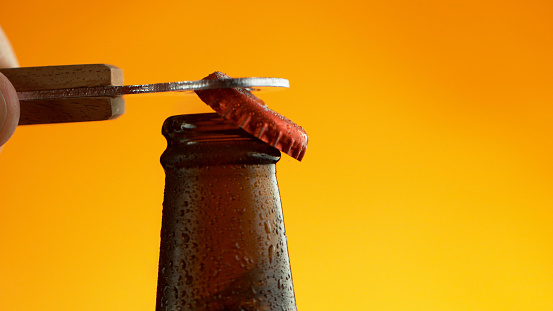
[250,113]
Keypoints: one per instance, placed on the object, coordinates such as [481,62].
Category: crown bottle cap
[250,113]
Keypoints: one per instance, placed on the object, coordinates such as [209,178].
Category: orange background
[427,183]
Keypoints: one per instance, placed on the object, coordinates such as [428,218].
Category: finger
[10,106]
[7,56]
[9,103]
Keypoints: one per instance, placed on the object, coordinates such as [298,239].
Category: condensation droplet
[185,237]
[271,252]
[188,280]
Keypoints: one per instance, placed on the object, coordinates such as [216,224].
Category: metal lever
[180,86]
[80,93]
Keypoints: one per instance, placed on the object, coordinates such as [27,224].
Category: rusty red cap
[252,115]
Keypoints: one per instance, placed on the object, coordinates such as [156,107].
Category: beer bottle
[223,243]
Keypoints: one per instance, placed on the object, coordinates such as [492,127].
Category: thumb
[9,109]
[7,56]
[9,103]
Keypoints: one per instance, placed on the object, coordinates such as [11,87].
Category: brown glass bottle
[223,243]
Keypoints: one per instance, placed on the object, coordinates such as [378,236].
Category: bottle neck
[208,139]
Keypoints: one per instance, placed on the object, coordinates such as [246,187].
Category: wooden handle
[68,109]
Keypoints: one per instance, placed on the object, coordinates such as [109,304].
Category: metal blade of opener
[251,83]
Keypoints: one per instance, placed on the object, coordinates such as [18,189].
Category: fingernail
[3,110]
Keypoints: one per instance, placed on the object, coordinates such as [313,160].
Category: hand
[9,103]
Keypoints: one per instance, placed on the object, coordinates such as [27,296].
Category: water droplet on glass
[185,238]
[188,280]
[271,252]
